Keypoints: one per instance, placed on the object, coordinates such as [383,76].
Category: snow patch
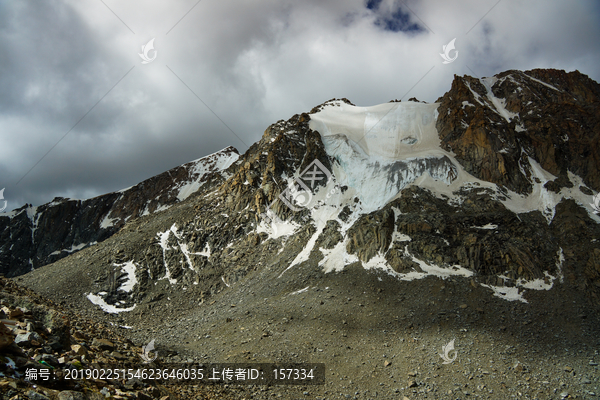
[499,104]
[300,291]
[434,270]
[507,293]
[516,292]
[337,258]
[544,200]
[206,251]
[559,264]
[223,279]
[164,243]
[108,222]
[489,226]
[541,82]
[275,227]
[129,268]
[108,308]
[218,161]
[73,248]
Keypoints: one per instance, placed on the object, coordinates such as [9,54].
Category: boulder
[6,337]
[25,339]
[79,349]
[103,344]
[33,395]
[71,395]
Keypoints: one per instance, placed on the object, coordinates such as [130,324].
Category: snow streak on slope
[108,308]
[516,292]
[98,299]
[219,161]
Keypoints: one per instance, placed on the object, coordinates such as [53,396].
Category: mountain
[368,237]
[31,237]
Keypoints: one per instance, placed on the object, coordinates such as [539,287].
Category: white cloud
[252,63]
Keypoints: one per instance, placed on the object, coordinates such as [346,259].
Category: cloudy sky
[80,115]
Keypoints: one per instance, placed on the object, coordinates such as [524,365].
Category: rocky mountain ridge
[31,237]
[506,229]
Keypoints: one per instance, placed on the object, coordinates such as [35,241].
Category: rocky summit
[418,250]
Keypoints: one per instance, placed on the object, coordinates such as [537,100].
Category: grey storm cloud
[75,94]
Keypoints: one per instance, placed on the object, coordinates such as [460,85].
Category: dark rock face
[549,115]
[36,236]
[371,234]
[31,237]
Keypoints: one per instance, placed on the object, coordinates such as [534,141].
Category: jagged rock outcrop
[494,124]
[286,147]
[31,237]
[371,234]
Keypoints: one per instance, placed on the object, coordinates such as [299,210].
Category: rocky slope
[383,230]
[31,237]
[37,334]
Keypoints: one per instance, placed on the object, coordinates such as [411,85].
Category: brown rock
[16,313]
[80,336]
[153,391]
[33,395]
[6,337]
[71,395]
[103,344]
[142,396]
[556,126]
[118,356]
[6,383]
[519,367]
[95,396]
[79,349]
